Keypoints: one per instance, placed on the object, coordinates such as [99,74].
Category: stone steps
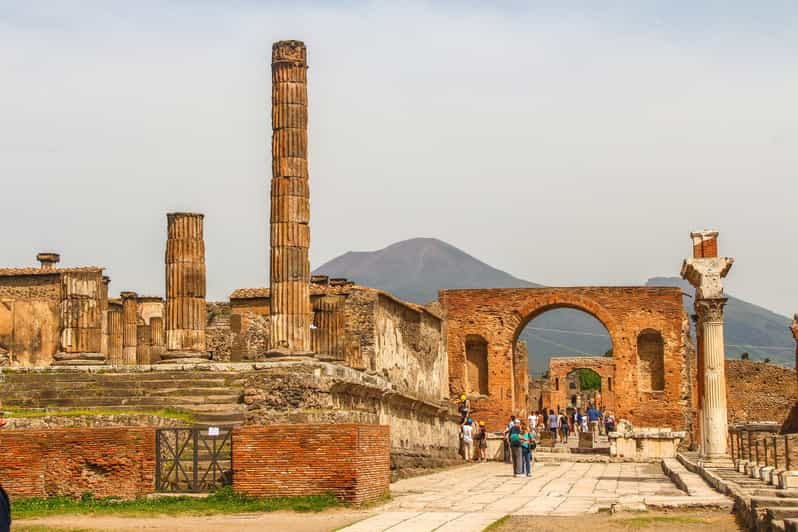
[213,397]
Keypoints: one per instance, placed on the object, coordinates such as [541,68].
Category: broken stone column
[291,314]
[104,315]
[115,349]
[143,340]
[48,260]
[129,327]
[705,272]
[81,318]
[794,329]
[156,338]
[185,316]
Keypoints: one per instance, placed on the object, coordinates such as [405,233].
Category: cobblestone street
[470,498]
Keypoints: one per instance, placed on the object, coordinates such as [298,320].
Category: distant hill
[748,327]
[416,269]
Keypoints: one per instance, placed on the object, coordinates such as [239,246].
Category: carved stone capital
[706,274]
[794,327]
[710,310]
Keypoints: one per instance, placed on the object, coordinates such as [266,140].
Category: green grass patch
[653,520]
[224,501]
[166,413]
[497,524]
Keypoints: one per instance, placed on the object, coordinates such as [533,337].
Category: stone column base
[723,461]
[79,359]
[183,357]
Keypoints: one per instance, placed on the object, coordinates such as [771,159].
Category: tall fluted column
[104,315]
[129,327]
[291,314]
[705,272]
[794,329]
[710,312]
[115,332]
[185,316]
[157,338]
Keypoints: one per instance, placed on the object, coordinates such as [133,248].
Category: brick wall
[71,461]
[351,461]
[757,391]
[499,316]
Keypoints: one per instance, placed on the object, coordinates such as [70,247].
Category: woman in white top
[468,441]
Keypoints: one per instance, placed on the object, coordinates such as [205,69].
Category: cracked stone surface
[470,498]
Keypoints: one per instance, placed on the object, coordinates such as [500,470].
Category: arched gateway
[648,328]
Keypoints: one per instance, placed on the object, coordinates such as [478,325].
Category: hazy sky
[567,145]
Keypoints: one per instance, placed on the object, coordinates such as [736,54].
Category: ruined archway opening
[584,387]
[568,340]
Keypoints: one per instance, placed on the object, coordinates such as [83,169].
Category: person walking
[468,440]
[593,416]
[609,423]
[506,444]
[528,445]
[553,425]
[515,447]
[482,443]
[562,420]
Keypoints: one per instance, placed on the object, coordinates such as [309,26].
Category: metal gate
[193,460]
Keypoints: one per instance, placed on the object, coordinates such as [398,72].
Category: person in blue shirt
[594,416]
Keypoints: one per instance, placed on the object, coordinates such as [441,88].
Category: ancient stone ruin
[315,350]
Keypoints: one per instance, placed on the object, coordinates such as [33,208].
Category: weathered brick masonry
[632,316]
[351,461]
[106,462]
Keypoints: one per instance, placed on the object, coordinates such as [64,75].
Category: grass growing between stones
[166,413]
[224,501]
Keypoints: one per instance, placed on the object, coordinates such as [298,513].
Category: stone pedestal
[291,314]
[185,315]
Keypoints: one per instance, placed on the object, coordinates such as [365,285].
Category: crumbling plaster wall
[30,318]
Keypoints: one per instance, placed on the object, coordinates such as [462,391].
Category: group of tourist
[472,434]
[562,424]
[521,438]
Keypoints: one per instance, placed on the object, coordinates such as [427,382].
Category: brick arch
[561,367]
[499,315]
[565,300]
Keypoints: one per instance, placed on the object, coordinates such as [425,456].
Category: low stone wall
[351,461]
[644,445]
[106,462]
[424,434]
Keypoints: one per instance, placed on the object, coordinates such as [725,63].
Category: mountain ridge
[415,269]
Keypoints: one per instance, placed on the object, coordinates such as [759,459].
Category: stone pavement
[470,498]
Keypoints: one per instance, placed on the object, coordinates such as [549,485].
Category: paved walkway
[470,498]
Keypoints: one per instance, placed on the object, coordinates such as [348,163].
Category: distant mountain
[416,269]
[748,328]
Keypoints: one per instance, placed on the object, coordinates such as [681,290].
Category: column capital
[706,274]
[710,310]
